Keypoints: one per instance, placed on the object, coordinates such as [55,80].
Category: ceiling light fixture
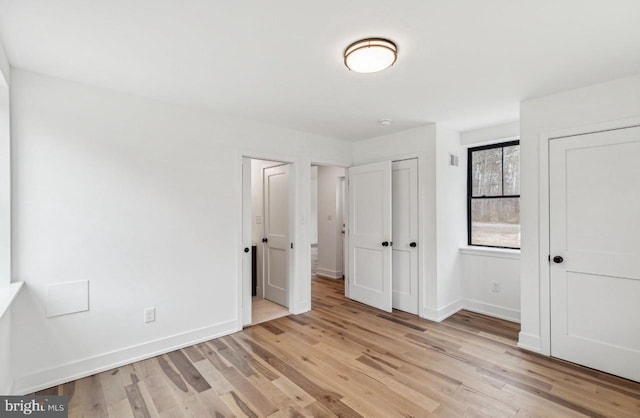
[370,55]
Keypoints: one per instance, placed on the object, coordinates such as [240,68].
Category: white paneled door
[405,239]
[595,250]
[370,235]
[276,228]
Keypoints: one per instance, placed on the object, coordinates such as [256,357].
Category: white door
[595,250]
[370,234]
[405,235]
[276,228]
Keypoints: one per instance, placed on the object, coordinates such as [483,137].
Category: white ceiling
[463,63]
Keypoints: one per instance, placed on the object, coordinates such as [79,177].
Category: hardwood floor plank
[113,384]
[120,409]
[271,327]
[193,353]
[240,407]
[161,394]
[212,355]
[137,403]
[147,367]
[147,396]
[317,410]
[242,385]
[94,404]
[214,377]
[215,406]
[252,361]
[294,392]
[173,376]
[232,357]
[190,374]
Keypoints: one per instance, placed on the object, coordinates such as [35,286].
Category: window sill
[491,252]
[8,295]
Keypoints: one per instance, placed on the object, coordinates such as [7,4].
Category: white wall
[451,201]
[313,222]
[6,372]
[143,199]
[490,134]
[480,270]
[481,267]
[615,103]
[330,222]
[6,378]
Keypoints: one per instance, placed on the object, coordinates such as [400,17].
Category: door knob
[385,244]
[265,240]
[413,245]
[557,259]
[246,249]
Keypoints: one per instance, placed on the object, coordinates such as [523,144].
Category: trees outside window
[493,195]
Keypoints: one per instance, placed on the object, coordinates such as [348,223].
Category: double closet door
[383,235]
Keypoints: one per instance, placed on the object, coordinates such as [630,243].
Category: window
[493,195]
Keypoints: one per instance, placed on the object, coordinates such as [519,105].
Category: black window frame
[470,196]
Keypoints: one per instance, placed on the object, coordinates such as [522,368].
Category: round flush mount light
[370,55]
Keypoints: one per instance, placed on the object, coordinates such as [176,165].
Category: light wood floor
[263,310]
[346,359]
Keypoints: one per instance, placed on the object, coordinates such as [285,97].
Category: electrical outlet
[495,287]
[149,315]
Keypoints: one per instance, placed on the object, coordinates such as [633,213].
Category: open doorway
[270,191]
[328,222]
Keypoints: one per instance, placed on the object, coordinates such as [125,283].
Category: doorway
[269,197]
[327,226]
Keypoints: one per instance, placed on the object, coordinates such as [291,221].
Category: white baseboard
[331,274]
[529,342]
[439,315]
[57,375]
[492,310]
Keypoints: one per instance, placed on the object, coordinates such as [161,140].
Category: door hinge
[549,257]
[292,245]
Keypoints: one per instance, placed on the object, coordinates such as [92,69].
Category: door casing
[543,249]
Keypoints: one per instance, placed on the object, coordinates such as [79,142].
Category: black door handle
[385,243]
[557,259]
[265,240]
[246,249]
[413,245]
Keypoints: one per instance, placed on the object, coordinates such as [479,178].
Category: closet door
[370,235]
[594,246]
[405,235]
